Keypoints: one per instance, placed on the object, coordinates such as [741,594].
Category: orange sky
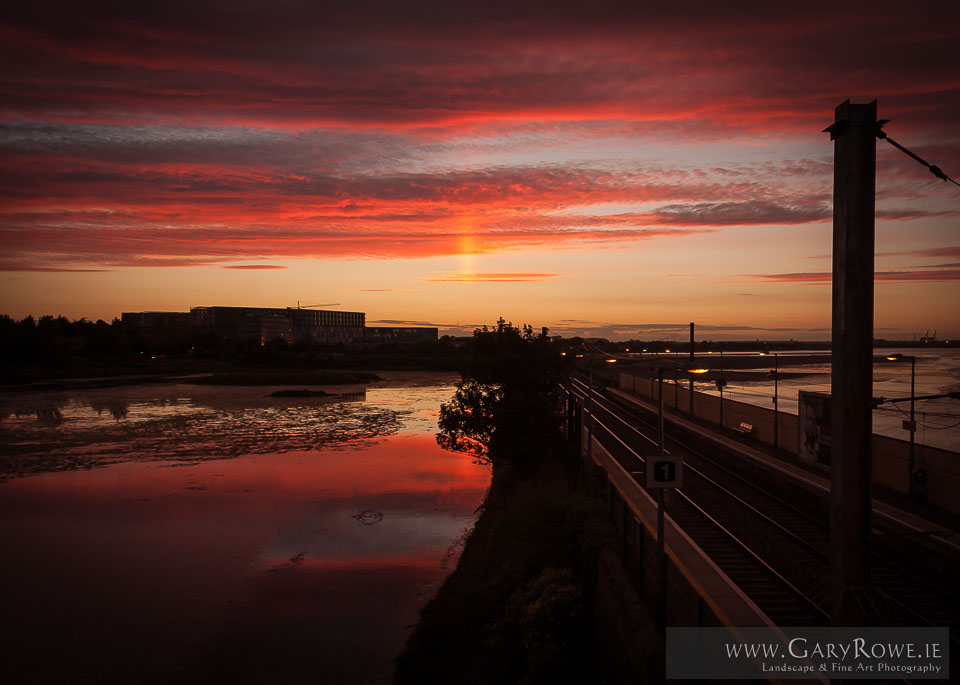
[616,171]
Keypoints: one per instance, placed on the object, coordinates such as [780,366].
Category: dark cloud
[949,252]
[183,133]
[826,277]
[757,66]
[255,267]
[668,331]
[740,214]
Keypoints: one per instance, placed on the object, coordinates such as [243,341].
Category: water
[937,372]
[196,533]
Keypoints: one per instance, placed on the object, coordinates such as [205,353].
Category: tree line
[56,346]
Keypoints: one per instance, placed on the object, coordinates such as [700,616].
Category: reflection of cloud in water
[432,476]
[79,429]
[248,563]
[193,433]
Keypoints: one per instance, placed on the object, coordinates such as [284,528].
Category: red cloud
[196,133]
[760,69]
[49,269]
[490,278]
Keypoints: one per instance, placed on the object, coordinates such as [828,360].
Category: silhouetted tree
[505,408]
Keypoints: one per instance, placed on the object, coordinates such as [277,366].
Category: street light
[720,383]
[912,425]
[589,404]
[693,372]
[776,397]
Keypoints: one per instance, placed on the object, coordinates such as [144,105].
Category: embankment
[531,592]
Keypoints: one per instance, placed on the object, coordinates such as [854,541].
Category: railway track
[780,599]
[793,543]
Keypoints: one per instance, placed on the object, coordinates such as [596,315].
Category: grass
[518,607]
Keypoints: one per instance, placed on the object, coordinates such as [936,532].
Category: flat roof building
[319,326]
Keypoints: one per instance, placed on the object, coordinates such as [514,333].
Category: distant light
[563,354]
[698,370]
[628,349]
[644,349]
[610,361]
[667,350]
[710,352]
[763,354]
[579,355]
[895,357]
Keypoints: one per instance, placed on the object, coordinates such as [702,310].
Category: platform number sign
[665,471]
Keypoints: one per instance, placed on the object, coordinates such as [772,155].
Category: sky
[612,169]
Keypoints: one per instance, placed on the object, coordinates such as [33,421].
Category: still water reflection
[226,535]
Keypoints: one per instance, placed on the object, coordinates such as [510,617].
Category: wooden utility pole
[854,133]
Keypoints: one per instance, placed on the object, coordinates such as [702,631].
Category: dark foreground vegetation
[518,607]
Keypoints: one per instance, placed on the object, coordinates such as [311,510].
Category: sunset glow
[600,171]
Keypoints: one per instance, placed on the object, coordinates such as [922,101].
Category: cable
[935,170]
[927,425]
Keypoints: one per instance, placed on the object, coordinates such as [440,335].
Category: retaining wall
[890,464]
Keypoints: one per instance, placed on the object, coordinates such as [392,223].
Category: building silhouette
[318,326]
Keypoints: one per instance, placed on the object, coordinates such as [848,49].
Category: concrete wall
[891,464]
[890,455]
[707,407]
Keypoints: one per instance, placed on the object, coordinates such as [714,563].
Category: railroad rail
[779,599]
[790,542]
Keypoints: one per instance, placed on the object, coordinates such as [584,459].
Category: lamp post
[776,403]
[911,489]
[589,403]
[661,548]
[694,371]
[720,383]
[776,406]
[587,407]
[676,387]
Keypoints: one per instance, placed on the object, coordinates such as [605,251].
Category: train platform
[938,527]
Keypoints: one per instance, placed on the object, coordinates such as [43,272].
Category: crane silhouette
[322,304]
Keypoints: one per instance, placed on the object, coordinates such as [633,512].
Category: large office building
[325,327]
[158,320]
[320,326]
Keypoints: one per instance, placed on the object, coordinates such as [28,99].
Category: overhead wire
[935,170]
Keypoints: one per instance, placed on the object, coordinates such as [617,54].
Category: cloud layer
[210,133]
